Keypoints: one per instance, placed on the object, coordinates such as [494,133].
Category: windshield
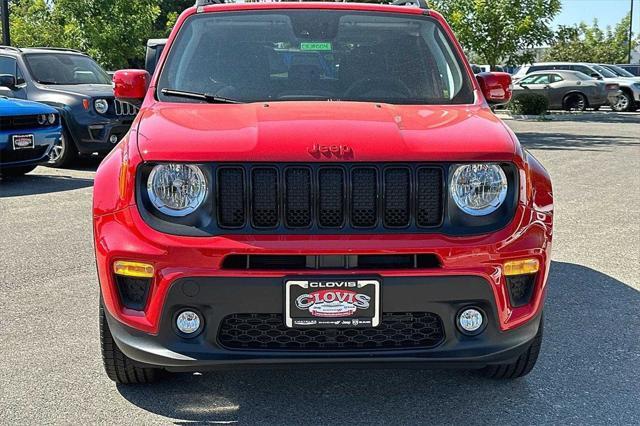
[65,68]
[583,76]
[619,71]
[605,72]
[315,55]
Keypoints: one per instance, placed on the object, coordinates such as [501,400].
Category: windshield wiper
[201,96]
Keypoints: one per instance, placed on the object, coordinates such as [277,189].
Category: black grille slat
[397,204]
[298,197]
[364,197]
[397,330]
[265,197]
[231,208]
[331,197]
[429,197]
[321,198]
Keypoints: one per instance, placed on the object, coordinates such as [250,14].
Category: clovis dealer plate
[332,302]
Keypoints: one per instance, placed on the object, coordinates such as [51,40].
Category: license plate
[23,142]
[332,302]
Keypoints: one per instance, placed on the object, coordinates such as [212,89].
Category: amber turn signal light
[521,267]
[133,269]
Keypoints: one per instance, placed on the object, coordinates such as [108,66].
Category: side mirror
[495,86]
[131,85]
[598,76]
[8,81]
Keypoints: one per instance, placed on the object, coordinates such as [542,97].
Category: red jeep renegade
[318,183]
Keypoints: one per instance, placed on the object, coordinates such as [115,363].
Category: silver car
[568,90]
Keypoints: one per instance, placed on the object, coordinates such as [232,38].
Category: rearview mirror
[495,86]
[131,85]
[8,81]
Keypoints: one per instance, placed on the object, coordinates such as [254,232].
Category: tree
[114,32]
[584,43]
[500,31]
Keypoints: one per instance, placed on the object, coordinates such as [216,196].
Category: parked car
[28,132]
[632,68]
[620,72]
[73,83]
[569,90]
[629,99]
[381,215]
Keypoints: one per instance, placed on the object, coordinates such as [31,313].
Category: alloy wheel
[58,150]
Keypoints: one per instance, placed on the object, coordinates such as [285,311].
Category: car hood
[85,90]
[12,106]
[301,131]
[622,81]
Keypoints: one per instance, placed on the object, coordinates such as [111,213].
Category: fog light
[113,139]
[470,320]
[188,322]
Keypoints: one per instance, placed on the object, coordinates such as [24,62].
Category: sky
[608,12]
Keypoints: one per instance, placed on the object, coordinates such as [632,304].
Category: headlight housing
[101,106]
[51,118]
[478,189]
[177,189]
[42,119]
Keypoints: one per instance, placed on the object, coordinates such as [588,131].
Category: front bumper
[91,132]
[218,298]
[469,273]
[44,140]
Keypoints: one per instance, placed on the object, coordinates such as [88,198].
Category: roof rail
[61,49]
[15,49]
[200,3]
[422,4]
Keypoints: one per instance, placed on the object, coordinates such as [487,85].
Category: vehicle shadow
[32,184]
[587,372]
[573,141]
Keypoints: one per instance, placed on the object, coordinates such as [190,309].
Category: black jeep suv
[73,83]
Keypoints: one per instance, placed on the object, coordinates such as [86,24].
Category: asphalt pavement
[588,371]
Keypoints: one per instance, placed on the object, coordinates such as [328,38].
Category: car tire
[522,365]
[64,152]
[17,171]
[575,102]
[120,368]
[624,103]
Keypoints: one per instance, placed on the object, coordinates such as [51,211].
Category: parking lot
[588,372]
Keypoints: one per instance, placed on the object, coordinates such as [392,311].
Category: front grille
[124,108]
[351,261]
[296,197]
[397,330]
[22,122]
[11,156]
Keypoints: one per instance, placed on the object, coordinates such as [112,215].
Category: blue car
[28,132]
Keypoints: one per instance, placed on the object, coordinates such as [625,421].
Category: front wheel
[623,103]
[64,152]
[522,365]
[575,102]
[119,367]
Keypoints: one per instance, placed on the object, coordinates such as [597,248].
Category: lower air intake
[408,330]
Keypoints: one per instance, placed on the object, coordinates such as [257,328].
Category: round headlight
[176,189]
[51,118]
[42,119]
[101,106]
[479,189]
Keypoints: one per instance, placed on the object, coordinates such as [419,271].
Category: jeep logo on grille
[328,151]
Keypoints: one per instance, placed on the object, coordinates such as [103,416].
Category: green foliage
[529,104]
[589,43]
[500,31]
[114,32]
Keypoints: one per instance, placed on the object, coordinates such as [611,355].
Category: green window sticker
[315,46]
